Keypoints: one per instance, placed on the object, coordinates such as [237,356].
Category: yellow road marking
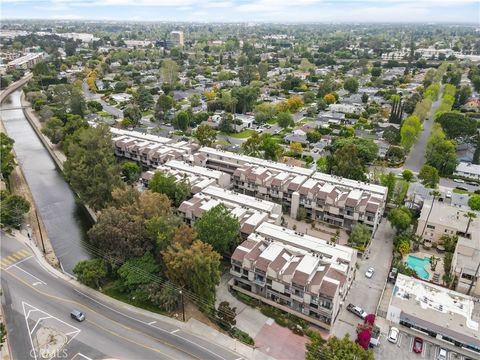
[18,256]
[113,321]
[11,258]
[7,261]
[24,252]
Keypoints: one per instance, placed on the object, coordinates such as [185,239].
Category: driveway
[106,107]
[366,292]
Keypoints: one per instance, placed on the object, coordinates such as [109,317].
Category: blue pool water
[419,264]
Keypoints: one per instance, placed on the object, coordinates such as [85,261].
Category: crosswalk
[14,258]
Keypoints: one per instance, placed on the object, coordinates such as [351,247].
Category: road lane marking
[7,261]
[28,329]
[80,354]
[129,340]
[19,262]
[174,331]
[24,252]
[111,320]
[152,322]
[38,321]
[26,272]
[145,323]
[11,258]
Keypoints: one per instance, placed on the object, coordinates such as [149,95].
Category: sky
[419,11]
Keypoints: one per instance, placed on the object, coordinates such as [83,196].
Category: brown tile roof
[328,288]
[300,278]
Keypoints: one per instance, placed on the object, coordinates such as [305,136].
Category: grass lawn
[113,291]
[221,142]
[242,134]
[104,114]
[272,121]
[458,191]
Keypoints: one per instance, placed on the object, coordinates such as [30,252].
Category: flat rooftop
[138,135]
[353,184]
[441,307]
[244,159]
[306,242]
[192,169]
[242,200]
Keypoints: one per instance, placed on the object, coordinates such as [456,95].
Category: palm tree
[435,194]
[470,215]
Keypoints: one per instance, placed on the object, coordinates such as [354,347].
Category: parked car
[460,181]
[417,345]
[461,188]
[442,354]
[393,335]
[357,311]
[448,194]
[77,315]
[370,272]
[473,183]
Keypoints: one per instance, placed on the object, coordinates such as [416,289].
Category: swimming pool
[419,264]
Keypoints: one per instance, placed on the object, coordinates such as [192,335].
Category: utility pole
[183,305]
[40,229]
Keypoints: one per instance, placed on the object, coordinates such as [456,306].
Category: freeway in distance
[37,306]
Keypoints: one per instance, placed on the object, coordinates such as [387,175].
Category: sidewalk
[192,326]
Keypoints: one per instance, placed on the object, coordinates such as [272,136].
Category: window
[430,227]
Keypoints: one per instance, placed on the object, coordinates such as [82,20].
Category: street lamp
[183,305]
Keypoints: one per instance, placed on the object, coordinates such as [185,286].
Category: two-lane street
[35,300]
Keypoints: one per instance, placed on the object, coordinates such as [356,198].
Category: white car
[393,335]
[460,181]
[448,195]
[370,272]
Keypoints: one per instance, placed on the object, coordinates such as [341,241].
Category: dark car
[77,315]
[417,345]
[461,188]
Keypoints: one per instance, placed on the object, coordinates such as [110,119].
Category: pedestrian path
[15,258]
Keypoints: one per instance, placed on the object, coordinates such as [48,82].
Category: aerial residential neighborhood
[240,180]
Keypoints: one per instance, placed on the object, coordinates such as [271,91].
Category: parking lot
[402,350]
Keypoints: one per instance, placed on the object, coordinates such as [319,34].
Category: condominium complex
[437,312]
[297,273]
[149,150]
[251,212]
[27,61]
[468,170]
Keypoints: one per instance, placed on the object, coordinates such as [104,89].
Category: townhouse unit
[340,201]
[436,311]
[149,150]
[198,176]
[251,212]
[297,273]
[468,170]
[27,61]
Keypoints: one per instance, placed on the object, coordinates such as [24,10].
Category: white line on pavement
[85,357]
[18,262]
[145,323]
[174,331]
[26,272]
[38,321]
[152,322]
[28,329]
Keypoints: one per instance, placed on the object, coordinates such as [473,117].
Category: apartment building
[149,150]
[438,312]
[177,38]
[340,201]
[297,273]
[198,177]
[468,170]
[251,212]
[466,263]
[27,61]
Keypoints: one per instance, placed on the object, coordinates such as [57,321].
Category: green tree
[389,180]
[197,268]
[285,119]
[91,167]
[429,176]
[457,125]
[351,85]
[77,103]
[407,175]
[253,145]
[119,235]
[91,272]
[246,97]
[7,158]
[271,148]
[13,208]
[400,218]
[182,120]
[226,314]
[53,129]
[360,235]
[336,349]
[133,113]
[219,228]
[346,162]
[131,171]
[165,183]
[441,153]
[164,104]
[308,97]
[143,98]
[205,135]
[474,202]
[167,298]
[403,247]
[138,271]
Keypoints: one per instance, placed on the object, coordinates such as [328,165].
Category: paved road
[366,292]
[34,298]
[416,158]
[97,97]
